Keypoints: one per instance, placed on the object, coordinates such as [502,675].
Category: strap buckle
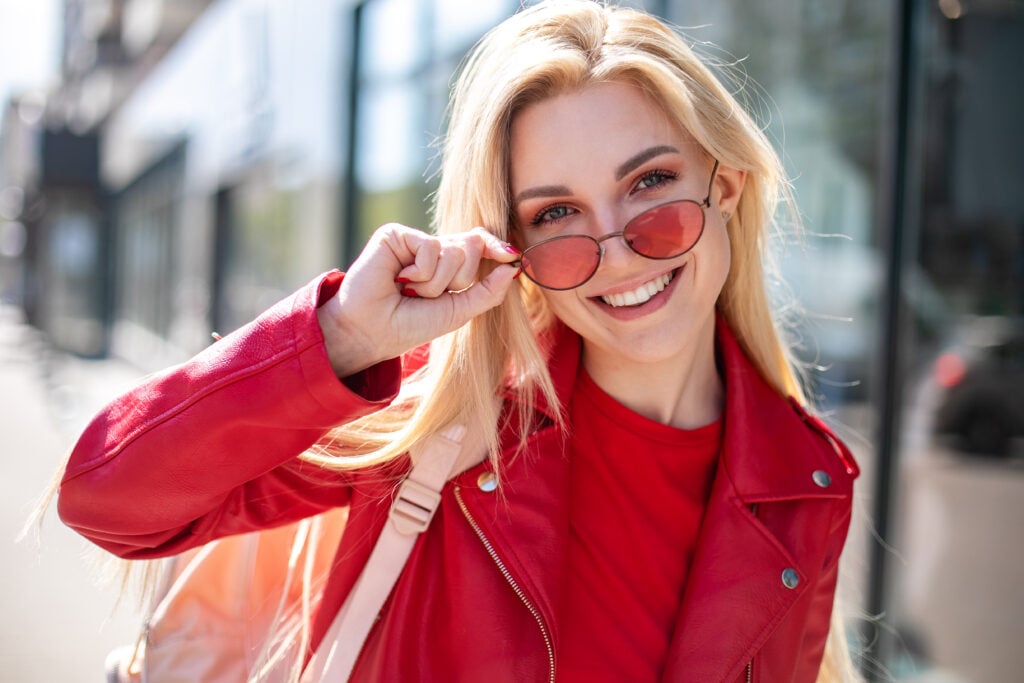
[414,507]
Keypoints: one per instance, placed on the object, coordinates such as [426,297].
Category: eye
[551,214]
[654,178]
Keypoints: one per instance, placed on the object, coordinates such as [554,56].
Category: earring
[726,216]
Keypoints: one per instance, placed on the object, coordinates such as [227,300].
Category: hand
[407,288]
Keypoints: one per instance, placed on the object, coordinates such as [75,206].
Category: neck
[683,391]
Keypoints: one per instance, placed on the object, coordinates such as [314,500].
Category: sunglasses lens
[563,262]
[663,232]
[666,231]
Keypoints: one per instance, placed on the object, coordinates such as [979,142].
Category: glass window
[147,212]
[393,42]
[460,23]
[409,52]
[962,495]
[392,153]
[392,138]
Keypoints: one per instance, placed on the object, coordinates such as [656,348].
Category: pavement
[955,554]
[58,622]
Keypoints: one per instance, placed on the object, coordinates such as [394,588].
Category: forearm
[209,448]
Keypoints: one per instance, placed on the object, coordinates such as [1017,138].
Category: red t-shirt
[638,493]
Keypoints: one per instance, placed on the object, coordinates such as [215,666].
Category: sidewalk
[58,624]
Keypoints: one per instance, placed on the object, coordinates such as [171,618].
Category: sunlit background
[171,168]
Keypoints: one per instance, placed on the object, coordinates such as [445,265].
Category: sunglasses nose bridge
[602,250]
[604,238]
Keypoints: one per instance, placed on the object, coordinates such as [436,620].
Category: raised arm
[208,448]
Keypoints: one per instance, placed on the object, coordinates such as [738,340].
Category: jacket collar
[754,412]
[768,455]
[767,451]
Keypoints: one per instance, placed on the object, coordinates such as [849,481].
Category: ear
[728,188]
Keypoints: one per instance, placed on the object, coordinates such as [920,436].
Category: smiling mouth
[641,294]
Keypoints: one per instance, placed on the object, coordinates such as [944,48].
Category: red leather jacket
[207,449]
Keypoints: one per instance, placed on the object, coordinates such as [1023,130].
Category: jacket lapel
[726,615]
[527,519]
[736,593]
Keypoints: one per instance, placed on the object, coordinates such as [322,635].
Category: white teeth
[640,295]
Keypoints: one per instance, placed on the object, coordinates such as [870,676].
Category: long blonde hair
[548,49]
[551,48]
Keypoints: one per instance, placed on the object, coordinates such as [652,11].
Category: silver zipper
[511,582]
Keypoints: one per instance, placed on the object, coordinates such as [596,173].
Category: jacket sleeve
[208,448]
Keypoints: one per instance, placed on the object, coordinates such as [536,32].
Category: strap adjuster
[414,507]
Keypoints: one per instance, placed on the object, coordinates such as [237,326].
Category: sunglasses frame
[599,241]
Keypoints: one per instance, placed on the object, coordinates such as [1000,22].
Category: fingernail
[512,250]
[409,292]
[402,280]
[518,273]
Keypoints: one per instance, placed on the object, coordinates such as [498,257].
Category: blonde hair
[547,49]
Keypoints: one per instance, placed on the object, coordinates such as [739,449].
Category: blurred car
[981,385]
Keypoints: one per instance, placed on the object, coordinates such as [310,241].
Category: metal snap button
[487,481]
[821,478]
[790,579]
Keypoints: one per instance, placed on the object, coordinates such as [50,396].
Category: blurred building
[54,164]
[202,159]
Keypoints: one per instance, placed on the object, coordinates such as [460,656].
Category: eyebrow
[621,172]
[541,191]
[639,159]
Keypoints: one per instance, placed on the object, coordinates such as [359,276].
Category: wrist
[346,355]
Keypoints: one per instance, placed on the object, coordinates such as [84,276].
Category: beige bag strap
[434,463]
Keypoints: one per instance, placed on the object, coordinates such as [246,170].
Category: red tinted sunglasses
[663,232]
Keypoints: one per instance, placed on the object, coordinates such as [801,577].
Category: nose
[615,252]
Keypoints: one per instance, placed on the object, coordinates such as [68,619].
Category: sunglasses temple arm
[711,185]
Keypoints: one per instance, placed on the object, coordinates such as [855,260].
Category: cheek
[559,303]
[717,256]
[567,307]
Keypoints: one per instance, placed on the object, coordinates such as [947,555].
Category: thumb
[484,295]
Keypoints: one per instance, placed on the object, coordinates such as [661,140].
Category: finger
[477,244]
[448,264]
[496,249]
[484,295]
[473,246]
[425,251]
[431,274]
[390,256]
[459,264]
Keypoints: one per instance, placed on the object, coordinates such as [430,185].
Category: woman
[656,504]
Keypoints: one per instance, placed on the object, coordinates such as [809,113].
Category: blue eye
[550,214]
[654,179]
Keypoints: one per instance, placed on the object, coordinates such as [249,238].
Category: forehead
[593,130]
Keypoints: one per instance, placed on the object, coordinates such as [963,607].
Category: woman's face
[589,161]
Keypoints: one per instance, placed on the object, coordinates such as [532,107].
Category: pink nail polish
[512,250]
[518,273]
[411,293]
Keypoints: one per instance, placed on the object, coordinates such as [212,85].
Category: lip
[653,304]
